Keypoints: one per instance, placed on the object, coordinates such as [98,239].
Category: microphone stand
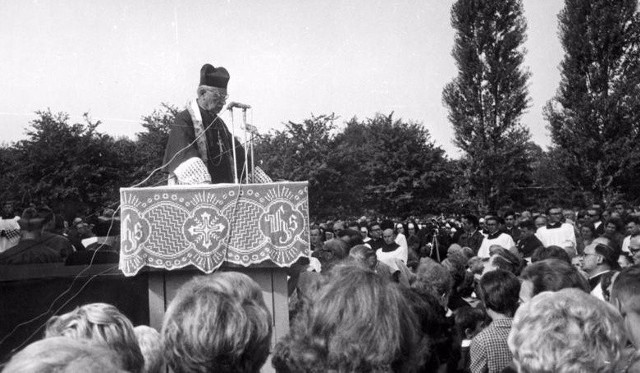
[244,108]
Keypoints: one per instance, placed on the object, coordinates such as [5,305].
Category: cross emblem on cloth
[207,228]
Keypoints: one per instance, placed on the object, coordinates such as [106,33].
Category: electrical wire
[109,230]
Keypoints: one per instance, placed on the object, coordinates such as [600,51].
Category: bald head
[388,236]
[634,248]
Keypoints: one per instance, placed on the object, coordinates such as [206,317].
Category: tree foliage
[594,117]
[378,165]
[64,161]
[60,160]
[488,97]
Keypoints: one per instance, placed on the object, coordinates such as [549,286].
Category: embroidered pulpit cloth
[206,225]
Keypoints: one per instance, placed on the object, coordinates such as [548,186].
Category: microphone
[234,104]
[252,129]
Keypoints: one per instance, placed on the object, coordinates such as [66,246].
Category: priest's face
[492,225]
[555,215]
[388,236]
[213,99]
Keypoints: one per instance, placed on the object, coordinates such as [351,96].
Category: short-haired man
[557,233]
[632,228]
[376,241]
[625,294]
[594,214]
[316,240]
[499,291]
[528,242]
[540,221]
[472,237]
[390,251]
[511,228]
[494,237]
[634,249]
[600,257]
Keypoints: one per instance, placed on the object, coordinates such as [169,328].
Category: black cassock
[219,149]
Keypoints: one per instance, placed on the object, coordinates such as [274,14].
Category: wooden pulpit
[177,232]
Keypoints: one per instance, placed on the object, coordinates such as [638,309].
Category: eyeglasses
[220,97]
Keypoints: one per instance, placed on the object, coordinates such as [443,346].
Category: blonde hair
[217,323]
[566,331]
[62,355]
[151,347]
[104,324]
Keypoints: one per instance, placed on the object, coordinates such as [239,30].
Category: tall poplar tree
[594,117]
[488,97]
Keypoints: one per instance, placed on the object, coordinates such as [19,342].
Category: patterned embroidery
[204,226]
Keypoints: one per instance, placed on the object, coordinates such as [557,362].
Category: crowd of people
[557,291]
[39,235]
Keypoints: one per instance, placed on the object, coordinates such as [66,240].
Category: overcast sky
[119,59]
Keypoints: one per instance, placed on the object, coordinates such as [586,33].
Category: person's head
[358,322]
[504,259]
[569,215]
[212,91]
[388,236]
[550,275]
[555,215]
[625,260]
[492,225]
[328,234]
[314,236]
[549,252]
[566,331]
[7,210]
[625,295]
[476,265]
[620,207]
[400,228]
[350,236]
[593,215]
[210,327]
[412,229]
[64,355]
[235,283]
[510,219]
[376,231]
[434,278]
[527,228]
[31,221]
[469,321]
[454,249]
[634,248]
[600,254]
[364,255]
[151,347]
[632,226]
[364,232]
[499,291]
[540,221]
[103,324]
[612,226]
[588,231]
[470,223]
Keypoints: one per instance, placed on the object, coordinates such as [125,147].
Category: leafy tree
[300,152]
[9,167]
[594,117]
[391,167]
[60,161]
[488,97]
[150,146]
[379,165]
